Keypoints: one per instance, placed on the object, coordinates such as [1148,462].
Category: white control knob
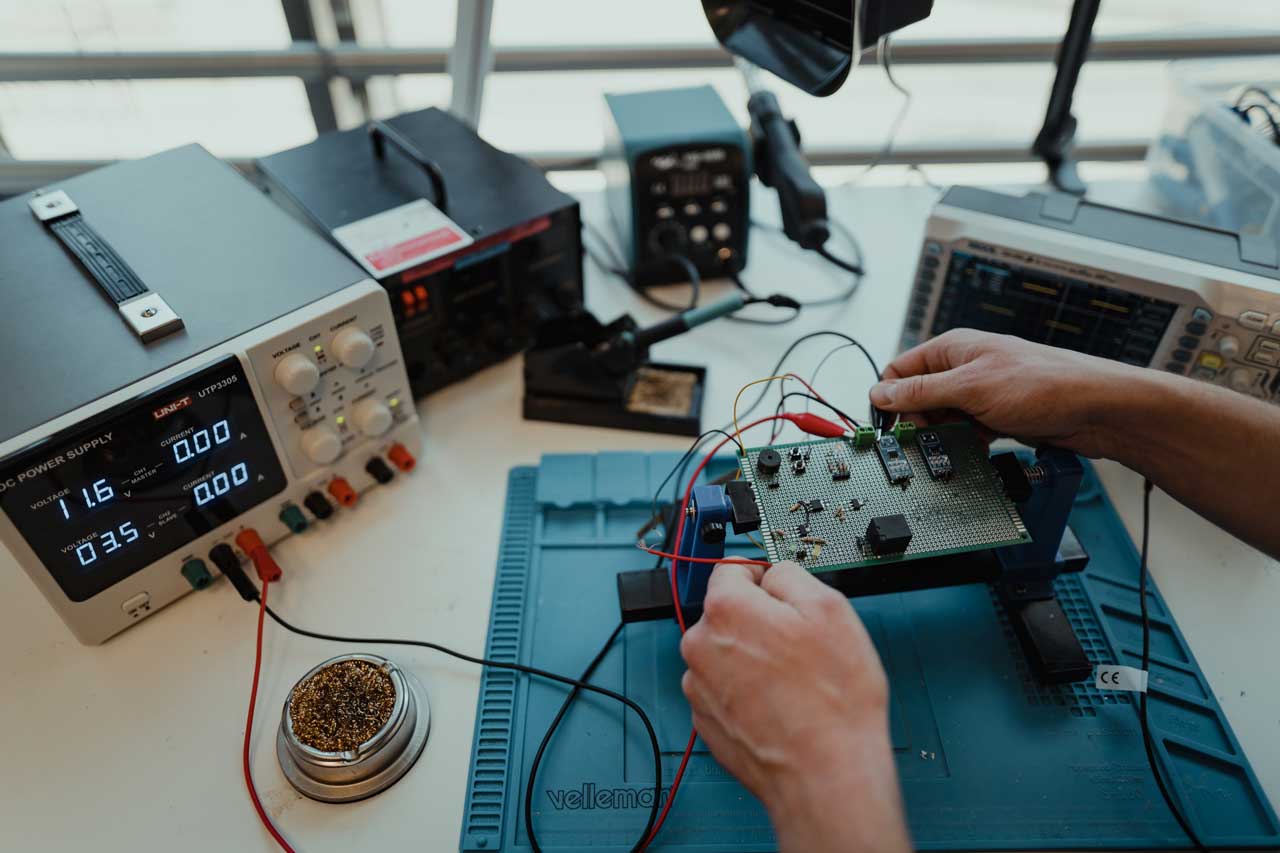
[1242,378]
[372,417]
[353,347]
[297,374]
[1229,345]
[321,444]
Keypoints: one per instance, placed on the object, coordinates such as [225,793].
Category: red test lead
[251,543]
[815,424]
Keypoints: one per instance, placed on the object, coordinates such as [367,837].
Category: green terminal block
[196,573]
[904,431]
[864,436]
[293,518]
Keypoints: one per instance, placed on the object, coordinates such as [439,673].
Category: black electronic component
[935,454]
[713,532]
[896,466]
[838,468]
[815,505]
[742,504]
[855,504]
[464,297]
[769,461]
[1014,477]
[888,534]
[803,530]
[581,371]
[645,595]
[379,470]
[318,504]
[802,555]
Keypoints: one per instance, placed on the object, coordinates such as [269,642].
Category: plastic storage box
[1206,163]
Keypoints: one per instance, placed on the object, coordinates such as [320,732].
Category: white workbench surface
[135,744]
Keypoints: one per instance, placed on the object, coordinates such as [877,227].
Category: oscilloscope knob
[297,374]
[321,444]
[1229,346]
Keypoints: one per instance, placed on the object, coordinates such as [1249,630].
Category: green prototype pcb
[862,501]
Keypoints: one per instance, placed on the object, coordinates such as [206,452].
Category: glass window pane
[951,105]
[114,119]
[520,22]
[417,23]
[44,25]
[416,92]
[1019,18]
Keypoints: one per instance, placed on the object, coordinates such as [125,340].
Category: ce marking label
[1126,678]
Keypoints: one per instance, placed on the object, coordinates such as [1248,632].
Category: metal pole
[302,28]
[471,59]
[312,62]
[1053,143]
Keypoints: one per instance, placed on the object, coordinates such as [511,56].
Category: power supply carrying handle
[380,133]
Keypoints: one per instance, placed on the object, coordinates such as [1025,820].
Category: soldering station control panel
[680,194]
[1116,283]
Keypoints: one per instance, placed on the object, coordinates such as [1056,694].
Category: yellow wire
[736,429]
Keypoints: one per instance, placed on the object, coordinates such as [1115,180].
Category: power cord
[248,728]
[783,401]
[268,571]
[855,267]
[1265,103]
[884,53]
[613,264]
[575,683]
[881,420]
[551,730]
[1146,667]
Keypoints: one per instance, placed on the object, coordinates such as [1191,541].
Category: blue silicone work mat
[988,758]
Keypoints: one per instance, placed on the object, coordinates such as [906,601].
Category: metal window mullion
[302,28]
[311,62]
[22,175]
[471,59]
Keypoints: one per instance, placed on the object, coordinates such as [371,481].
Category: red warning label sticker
[402,237]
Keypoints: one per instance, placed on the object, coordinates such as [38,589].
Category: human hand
[1035,393]
[789,694]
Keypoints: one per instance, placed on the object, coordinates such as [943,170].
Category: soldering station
[204,363]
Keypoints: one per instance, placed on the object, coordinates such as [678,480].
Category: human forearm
[1208,447]
[850,803]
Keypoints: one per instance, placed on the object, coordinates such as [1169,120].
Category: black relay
[888,534]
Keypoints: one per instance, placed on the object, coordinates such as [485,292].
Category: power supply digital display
[108,497]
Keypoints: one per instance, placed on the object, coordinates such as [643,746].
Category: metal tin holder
[373,766]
